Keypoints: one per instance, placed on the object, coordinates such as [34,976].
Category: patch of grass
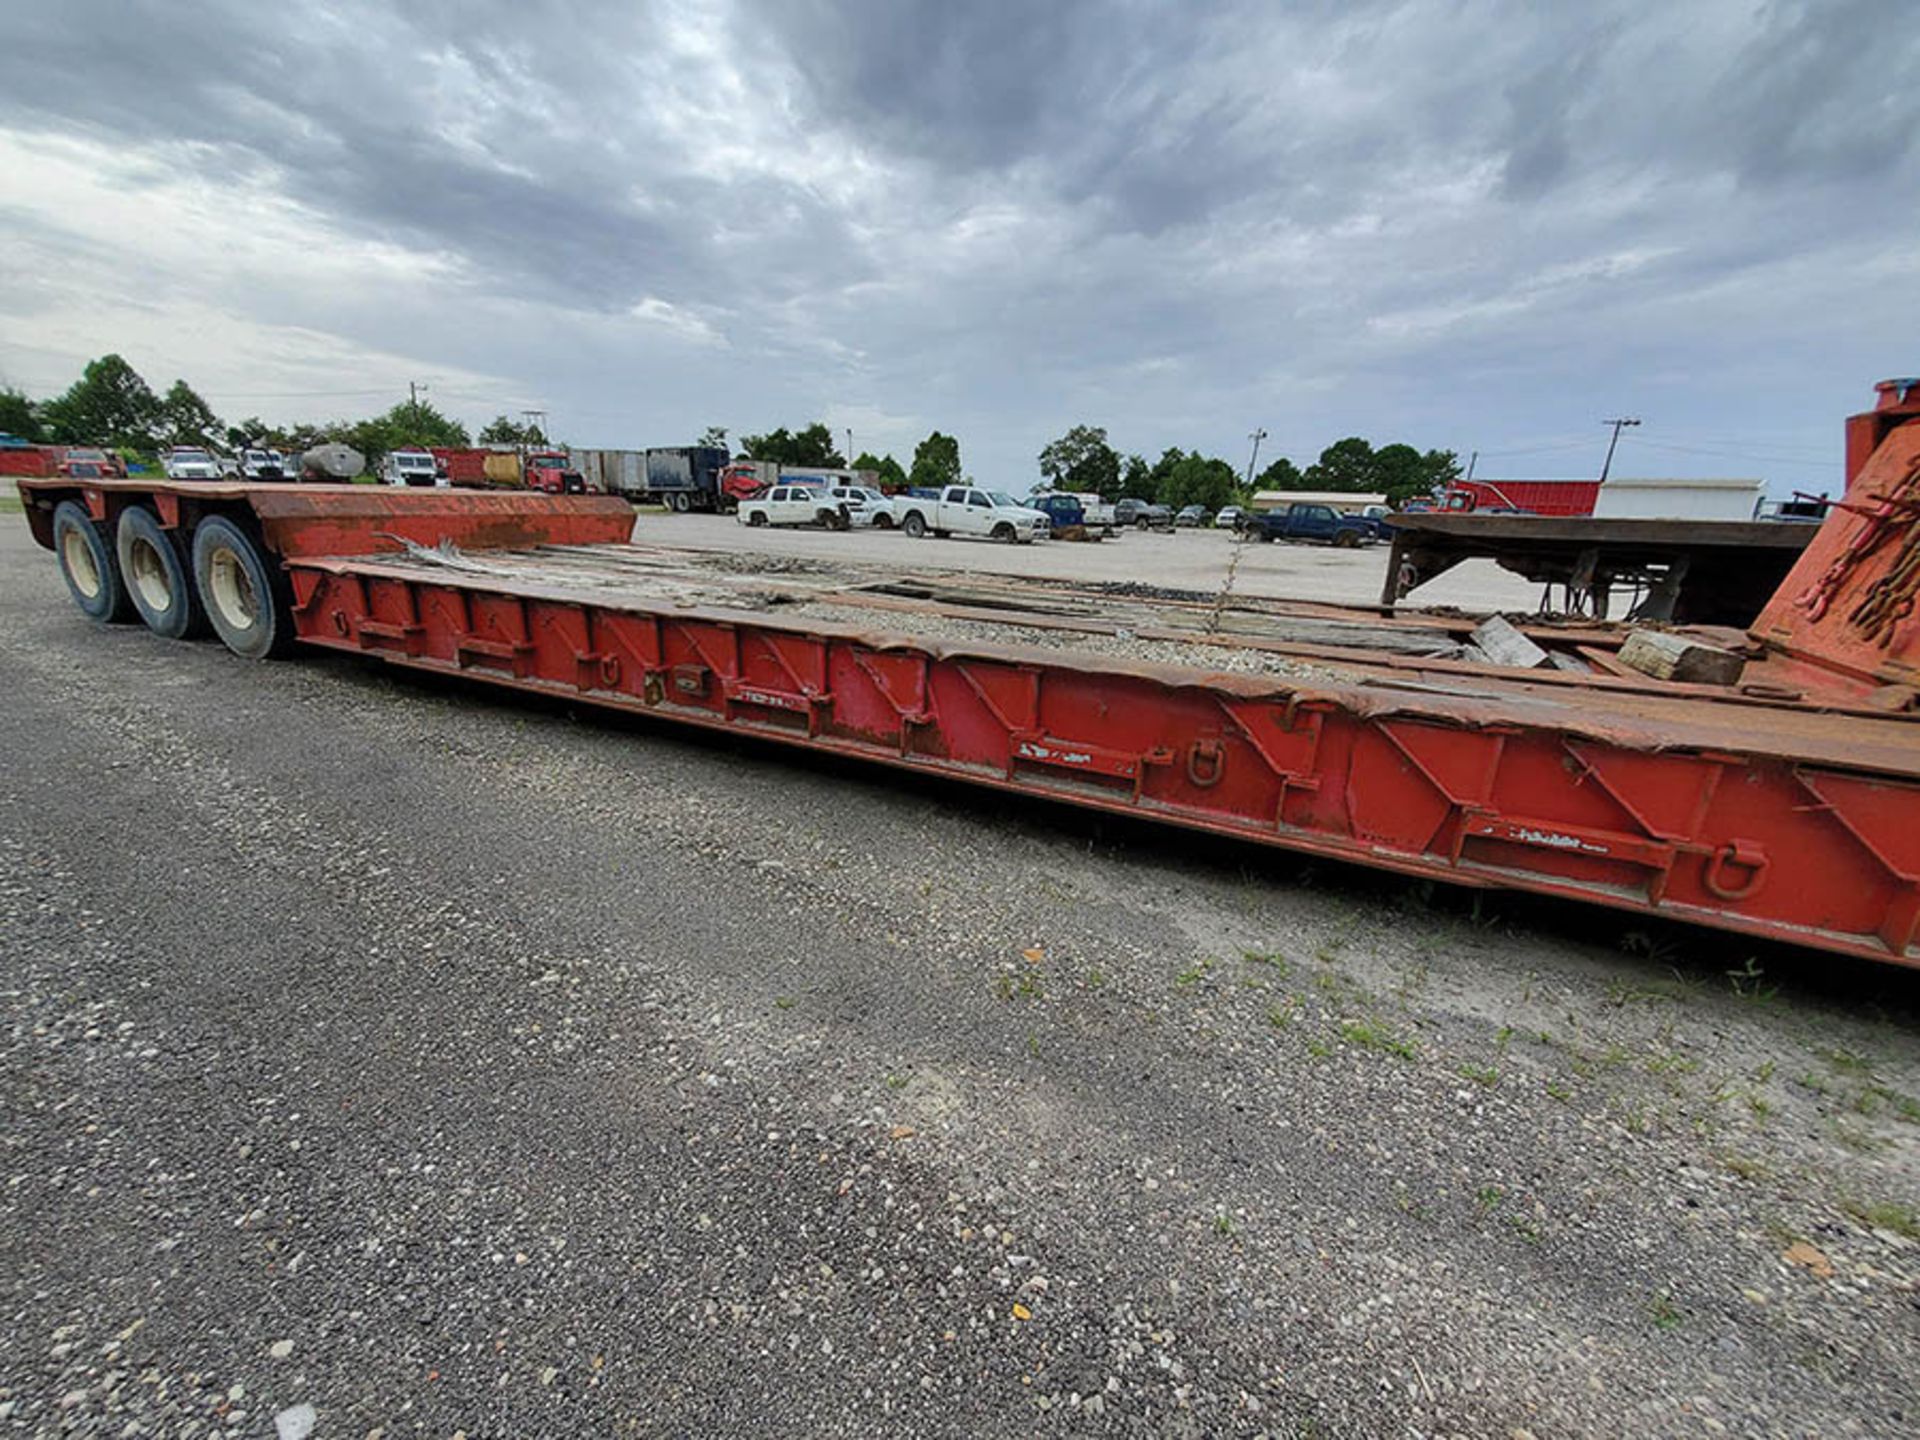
[783,1002]
[1855,1137]
[1525,1229]
[1749,983]
[1502,1038]
[1900,1219]
[1745,1166]
[1272,959]
[1485,1075]
[1024,986]
[1223,1224]
[1759,1106]
[896,1082]
[1672,1065]
[1280,1016]
[1194,973]
[1847,1062]
[1488,1198]
[12,505]
[1764,1073]
[1095,979]
[1319,1049]
[1661,1311]
[1372,1036]
[1819,1084]
[1560,1091]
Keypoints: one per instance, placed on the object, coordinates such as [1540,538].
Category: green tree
[1282,474]
[812,446]
[108,405]
[716,435]
[1199,480]
[1348,465]
[893,475]
[503,430]
[1159,478]
[1136,479]
[19,416]
[185,418]
[1081,460]
[936,462]
[417,422]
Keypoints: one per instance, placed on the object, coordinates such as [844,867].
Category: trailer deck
[1782,807]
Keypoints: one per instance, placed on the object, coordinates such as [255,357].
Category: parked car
[262,465]
[1231,517]
[1322,523]
[969,510]
[189,462]
[796,505]
[1143,515]
[86,462]
[1060,508]
[1191,516]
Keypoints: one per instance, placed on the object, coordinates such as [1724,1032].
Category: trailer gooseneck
[1785,806]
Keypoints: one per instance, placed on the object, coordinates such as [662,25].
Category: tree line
[111,404]
[1083,460]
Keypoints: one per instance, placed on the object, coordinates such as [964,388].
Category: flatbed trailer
[1783,807]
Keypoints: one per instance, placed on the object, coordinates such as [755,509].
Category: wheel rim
[147,571]
[230,589]
[77,555]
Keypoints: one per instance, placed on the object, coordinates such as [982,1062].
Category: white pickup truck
[969,510]
[799,505]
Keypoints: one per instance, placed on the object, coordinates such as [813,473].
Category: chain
[1882,521]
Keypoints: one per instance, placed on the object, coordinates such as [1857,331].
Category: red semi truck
[1780,805]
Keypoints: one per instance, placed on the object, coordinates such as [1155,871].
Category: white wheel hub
[77,555]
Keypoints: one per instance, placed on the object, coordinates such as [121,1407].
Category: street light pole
[1254,458]
[1618,425]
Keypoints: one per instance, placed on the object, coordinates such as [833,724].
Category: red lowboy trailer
[1785,806]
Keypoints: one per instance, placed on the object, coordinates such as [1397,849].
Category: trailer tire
[155,574]
[246,599]
[679,504]
[915,525]
[88,567]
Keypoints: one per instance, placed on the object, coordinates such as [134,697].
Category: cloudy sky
[1478,224]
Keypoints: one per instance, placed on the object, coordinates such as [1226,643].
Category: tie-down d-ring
[1206,763]
[1735,855]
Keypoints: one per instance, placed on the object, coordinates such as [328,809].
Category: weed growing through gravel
[1280,1016]
[1194,973]
[1900,1219]
[1371,1036]
[1560,1091]
[1223,1224]
[1745,1166]
[783,1002]
[1485,1075]
[1488,1198]
[1272,959]
[1748,983]
[1660,1310]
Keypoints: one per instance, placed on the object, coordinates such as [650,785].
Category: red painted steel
[1624,802]
[1536,497]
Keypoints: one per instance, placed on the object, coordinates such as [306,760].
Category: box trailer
[1779,806]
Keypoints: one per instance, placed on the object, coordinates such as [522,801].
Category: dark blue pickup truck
[1301,521]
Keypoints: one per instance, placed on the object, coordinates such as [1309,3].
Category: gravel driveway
[444,1062]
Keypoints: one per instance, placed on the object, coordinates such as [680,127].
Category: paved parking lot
[1181,560]
[451,1063]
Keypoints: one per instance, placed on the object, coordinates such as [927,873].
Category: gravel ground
[443,1062]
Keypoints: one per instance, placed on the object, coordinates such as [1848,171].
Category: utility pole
[1254,459]
[414,388]
[849,447]
[537,418]
[1472,460]
[1618,425]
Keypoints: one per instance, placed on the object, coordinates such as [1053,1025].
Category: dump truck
[1778,803]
